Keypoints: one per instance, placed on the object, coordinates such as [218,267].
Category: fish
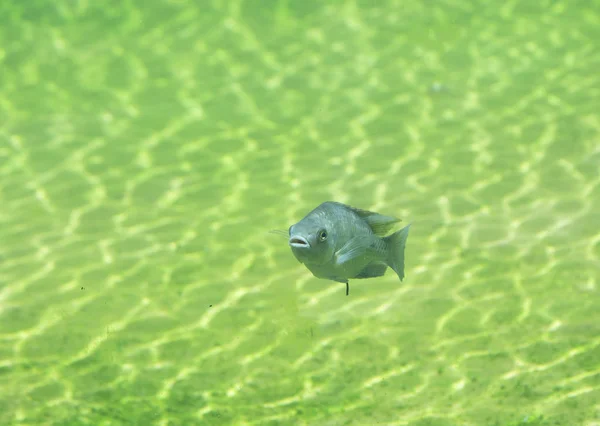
[339,242]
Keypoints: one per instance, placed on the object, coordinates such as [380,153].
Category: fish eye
[322,235]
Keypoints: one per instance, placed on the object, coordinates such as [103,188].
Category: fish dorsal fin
[379,224]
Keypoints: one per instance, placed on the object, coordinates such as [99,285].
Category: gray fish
[339,242]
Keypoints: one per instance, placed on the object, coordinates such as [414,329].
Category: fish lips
[298,242]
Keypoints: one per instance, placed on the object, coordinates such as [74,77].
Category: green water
[146,148]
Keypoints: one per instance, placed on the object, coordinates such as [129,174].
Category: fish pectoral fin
[354,248]
[374,269]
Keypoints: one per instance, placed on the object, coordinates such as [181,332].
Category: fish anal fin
[375,269]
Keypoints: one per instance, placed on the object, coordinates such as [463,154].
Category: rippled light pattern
[147,148]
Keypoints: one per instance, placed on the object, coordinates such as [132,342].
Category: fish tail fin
[395,249]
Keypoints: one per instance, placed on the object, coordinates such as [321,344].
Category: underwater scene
[159,261]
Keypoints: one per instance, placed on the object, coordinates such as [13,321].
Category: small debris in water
[438,87]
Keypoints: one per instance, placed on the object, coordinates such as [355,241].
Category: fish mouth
[299,242]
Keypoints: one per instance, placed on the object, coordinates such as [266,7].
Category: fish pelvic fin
[395,250]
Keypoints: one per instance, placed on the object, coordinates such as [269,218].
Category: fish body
[338,242]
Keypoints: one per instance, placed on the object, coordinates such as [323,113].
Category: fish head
[312,241]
